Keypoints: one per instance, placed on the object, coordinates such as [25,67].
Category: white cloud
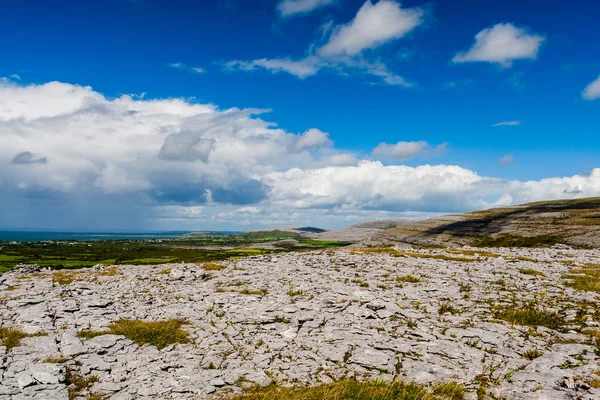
[502,44]
[371,185]
[507,160]
[344,45]
[406,150]
[288,8]
[312,139]
[507,123]
[73,159]
[592,91]
[187,68]
[374,25]
[302,68]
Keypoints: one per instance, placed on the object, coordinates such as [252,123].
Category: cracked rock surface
[307,318]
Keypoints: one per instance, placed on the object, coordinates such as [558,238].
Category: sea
[42,236]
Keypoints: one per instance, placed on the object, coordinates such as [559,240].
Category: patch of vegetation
[63,277]
[450,390]
[347,389]
[213,267]
[530,315]
[55,360]
[259,292]
[190,248]
[532,272]
[447,308]
[532,354]
[281,319]
[78,384]
[408,279]
[11,337]
[361,283]
[507,240]
[110,271]
[585,278]
[157,333]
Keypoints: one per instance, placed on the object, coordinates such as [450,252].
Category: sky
[233,115]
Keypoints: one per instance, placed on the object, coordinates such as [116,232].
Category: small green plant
[11,337]
[408,279]
[281,319]
[295,292]
[532,354]
[213,267]
[156,333]
[78,383]
[450,390]
[530,315]
[447,308]
[56,360]
[260,292]
[531,272]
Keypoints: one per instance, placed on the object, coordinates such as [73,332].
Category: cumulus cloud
[288,8]
[312,139]
[403,151]
[374,25]
[372,185]
[507,123]
[28,157]
[136,163]
[502,44]
[507,160]
[343,47]
[592,91]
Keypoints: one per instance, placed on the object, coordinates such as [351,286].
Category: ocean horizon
[41,236]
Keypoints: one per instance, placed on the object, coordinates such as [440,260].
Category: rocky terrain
[504,323]
[572,222]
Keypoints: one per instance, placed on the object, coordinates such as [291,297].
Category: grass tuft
[11,337]
[586,278]
[408,279]
[78,383]
[213,267]
[157,333]
[530,315]
[450,390]
[532,354]
[447,308]
[259,292]
[347,389]
[532,272]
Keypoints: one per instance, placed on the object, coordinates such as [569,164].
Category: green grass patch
[408,279]
[347,389]
[532,272]
[506,240]
[150,261]
[530,315]
[586,278]
[157,333]
[11,337]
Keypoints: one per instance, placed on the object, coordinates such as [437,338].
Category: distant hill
[546,223]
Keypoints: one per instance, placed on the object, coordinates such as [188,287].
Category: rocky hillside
[572,222]
[492,323]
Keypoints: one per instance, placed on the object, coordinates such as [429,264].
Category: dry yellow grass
[155,333]
[584,278]
[349,389]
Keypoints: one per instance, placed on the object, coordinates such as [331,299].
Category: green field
[59,255]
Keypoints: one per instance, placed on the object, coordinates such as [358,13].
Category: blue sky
[417,81]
